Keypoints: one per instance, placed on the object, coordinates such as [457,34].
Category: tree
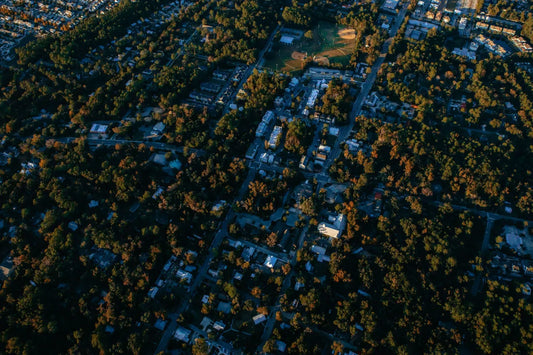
[309,206]
[200,347]
[272,239]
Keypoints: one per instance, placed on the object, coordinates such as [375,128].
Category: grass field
[330,44]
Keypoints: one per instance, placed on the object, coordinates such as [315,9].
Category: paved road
[271,322]
[180,50]
[251,68]
[279,255]
[484,246]
[222,233]
[156,145]
[322,177]
[335,152]
[219,237]
[491,215]
[173,325]
[365,88]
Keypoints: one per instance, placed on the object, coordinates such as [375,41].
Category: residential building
[334,227]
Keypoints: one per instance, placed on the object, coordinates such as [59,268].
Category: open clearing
[330,44]
[347,33]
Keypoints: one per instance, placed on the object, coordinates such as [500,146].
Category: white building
[270,261]
[334,228]
[99,129]
[260,318]
[182,334]
[274,137]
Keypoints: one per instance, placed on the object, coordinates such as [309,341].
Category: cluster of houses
[432,14]
[511,258]
[387,110]
[23,18]
[177,270]
[493,46]
[238,272]
[216,90]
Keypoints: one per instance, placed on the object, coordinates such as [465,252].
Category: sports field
[330,44]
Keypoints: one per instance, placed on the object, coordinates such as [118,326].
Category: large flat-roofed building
[334,227]
[274,137]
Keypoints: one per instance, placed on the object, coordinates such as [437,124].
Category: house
[158,192]
[312,98]
[159,158]
[270,261]
[219,326]
[353,145]
[184,275]
[152,292]
[158,129]
[390,5]
[72,226]
[99,129]
[182,334]
[334,227]
[201,97]
[234,243]
[327,230]
[281,346]
[221,75]
[334,193]
[286,40]
[266,158]
[261,129]
[210,87]
[294,82]
[526,289]
[304,161]
[252,151]
[248,253]
[318,250]
[175,164]
[103,258]
[218,206]
[160,324]
[6,268]
[224,307]
[334,131]
[324,149]
[298,285]
[321,157]
[109,329]
[260,318]
[363,293]
[205,323]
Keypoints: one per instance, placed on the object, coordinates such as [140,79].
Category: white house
[270,261]
[334,228]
